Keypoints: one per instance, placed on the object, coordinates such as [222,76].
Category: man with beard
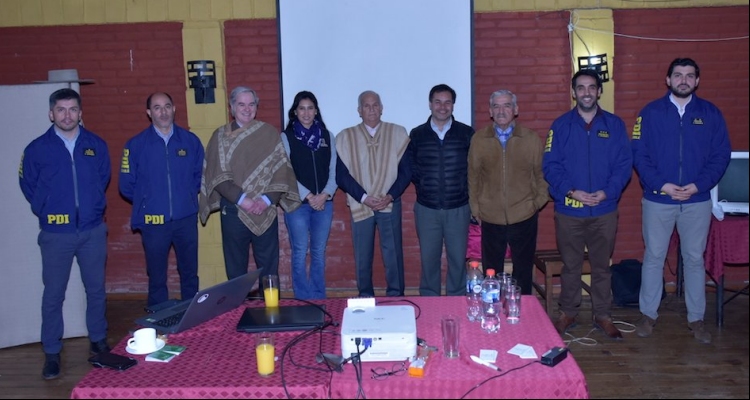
[64,174]
[680,151]
[587,163]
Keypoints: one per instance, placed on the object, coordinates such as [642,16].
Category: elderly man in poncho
[246,174]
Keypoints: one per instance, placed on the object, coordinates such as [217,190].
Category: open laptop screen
[205,305]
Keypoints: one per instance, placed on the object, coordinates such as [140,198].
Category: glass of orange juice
[271,290]
[265,353]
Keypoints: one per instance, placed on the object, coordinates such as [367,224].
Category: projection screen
[400,49]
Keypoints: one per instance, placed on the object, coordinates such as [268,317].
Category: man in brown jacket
[506,188]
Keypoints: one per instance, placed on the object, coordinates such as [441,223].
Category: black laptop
[283,318]
[207,304]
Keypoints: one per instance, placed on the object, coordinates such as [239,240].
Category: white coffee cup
[143,340]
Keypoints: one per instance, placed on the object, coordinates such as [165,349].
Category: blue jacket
[668,148]
[589,158]
[67,195]
[162,181]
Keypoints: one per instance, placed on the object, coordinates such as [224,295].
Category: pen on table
[485,363]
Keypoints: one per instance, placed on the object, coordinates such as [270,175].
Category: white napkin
[523,351]
[488,355]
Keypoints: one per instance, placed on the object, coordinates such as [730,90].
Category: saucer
[159,344]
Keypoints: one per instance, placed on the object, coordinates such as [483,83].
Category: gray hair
[504,92]
[362,95]
[237,91]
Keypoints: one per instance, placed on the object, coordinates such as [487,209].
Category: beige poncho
[372,161]
[253,157]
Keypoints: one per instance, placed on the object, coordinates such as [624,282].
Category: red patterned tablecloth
[220,363]
[453,378]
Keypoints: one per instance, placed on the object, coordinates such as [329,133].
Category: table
[220,362]
[452,378]
[727,244]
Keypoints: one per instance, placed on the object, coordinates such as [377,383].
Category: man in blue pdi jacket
[64,174]
[587,163]
[680,150]
[160,173]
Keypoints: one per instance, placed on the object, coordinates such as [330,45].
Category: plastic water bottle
[474,291]
[491,306]
[474,277]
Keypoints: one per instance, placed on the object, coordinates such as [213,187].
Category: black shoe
[100,347]
[51,368]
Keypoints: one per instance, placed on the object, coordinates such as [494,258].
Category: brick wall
[640,68]
[528,54]
[128,62]
[524,52]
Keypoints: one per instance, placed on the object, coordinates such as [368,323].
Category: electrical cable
[574,28]
[357,363]
[498,376]
[419,310]
[584,340]
[663,39]
[573,25]
[321,308]
[287,348]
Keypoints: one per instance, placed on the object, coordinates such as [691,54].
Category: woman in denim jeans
[312,153]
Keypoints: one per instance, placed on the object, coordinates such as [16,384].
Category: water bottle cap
[474,264]
[489,272]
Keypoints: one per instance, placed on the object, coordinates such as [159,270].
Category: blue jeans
[305,225]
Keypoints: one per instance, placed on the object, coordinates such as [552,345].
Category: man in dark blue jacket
[587,163]
[64,174]
[161,175]
[438,152]
[680,150]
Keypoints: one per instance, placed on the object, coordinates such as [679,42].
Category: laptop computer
[283,318]
[206,305]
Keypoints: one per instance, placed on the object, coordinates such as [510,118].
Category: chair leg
[720,302]
[549,289]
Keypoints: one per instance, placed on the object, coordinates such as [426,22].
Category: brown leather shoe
[605,325]
[564,322]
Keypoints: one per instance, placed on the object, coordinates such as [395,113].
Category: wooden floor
[670,364]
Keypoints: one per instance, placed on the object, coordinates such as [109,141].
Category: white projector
[386,333]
